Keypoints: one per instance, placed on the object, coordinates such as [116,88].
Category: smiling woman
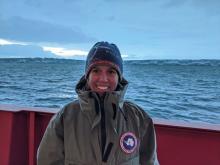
[100,127]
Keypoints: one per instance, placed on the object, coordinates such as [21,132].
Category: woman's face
[103,78]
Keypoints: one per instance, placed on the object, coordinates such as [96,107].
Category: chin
[101,93]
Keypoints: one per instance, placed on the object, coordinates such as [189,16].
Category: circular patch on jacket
[128,142]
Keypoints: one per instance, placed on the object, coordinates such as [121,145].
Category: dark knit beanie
[104,53]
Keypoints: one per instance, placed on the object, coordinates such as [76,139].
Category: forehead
[103,66]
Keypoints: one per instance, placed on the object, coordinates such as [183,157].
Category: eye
[112,71]
[95,70]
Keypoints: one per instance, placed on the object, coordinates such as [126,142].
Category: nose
[103,77]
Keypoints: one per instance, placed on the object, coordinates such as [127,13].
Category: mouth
[104,88]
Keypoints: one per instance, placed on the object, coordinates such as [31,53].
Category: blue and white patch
[128,142]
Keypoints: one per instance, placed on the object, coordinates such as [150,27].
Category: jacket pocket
[70,162]
[131,161]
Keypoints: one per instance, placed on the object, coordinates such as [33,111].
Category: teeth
[103,88]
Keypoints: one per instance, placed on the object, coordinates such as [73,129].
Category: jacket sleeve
[148,154]
[51,149]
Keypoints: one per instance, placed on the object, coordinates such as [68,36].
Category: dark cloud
[43,2]
[206,3]
[194,2]
[174,3]
[23,51]
[211,6]
[111,18]
[20,29]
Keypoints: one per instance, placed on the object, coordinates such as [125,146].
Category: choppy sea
[185,90]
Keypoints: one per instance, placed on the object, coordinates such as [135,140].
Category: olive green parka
[95,131]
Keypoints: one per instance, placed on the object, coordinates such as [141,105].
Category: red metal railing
[22,128]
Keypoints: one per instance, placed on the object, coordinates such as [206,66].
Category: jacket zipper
[103,126]
[100,108]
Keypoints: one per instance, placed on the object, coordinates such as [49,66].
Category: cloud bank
[26,30]
[24,51]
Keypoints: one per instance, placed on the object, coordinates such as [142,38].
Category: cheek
[90,82]
[114,83]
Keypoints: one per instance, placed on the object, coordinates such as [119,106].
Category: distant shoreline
[124,59]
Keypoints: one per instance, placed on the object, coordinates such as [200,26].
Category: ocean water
[184,90]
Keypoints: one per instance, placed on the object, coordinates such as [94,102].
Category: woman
[100,127]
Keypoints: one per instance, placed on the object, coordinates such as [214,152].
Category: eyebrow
[110,67]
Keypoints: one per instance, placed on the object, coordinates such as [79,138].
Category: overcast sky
[142,29]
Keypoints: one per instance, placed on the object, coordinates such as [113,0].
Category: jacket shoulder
[139,117]
[69,110]
[136,109]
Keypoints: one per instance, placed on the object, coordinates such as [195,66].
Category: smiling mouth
[102,87]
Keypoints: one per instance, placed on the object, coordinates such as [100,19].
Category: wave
[39,60]
[175,62]
[165,90]
[201,62]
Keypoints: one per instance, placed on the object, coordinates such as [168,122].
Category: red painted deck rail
[22,128]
